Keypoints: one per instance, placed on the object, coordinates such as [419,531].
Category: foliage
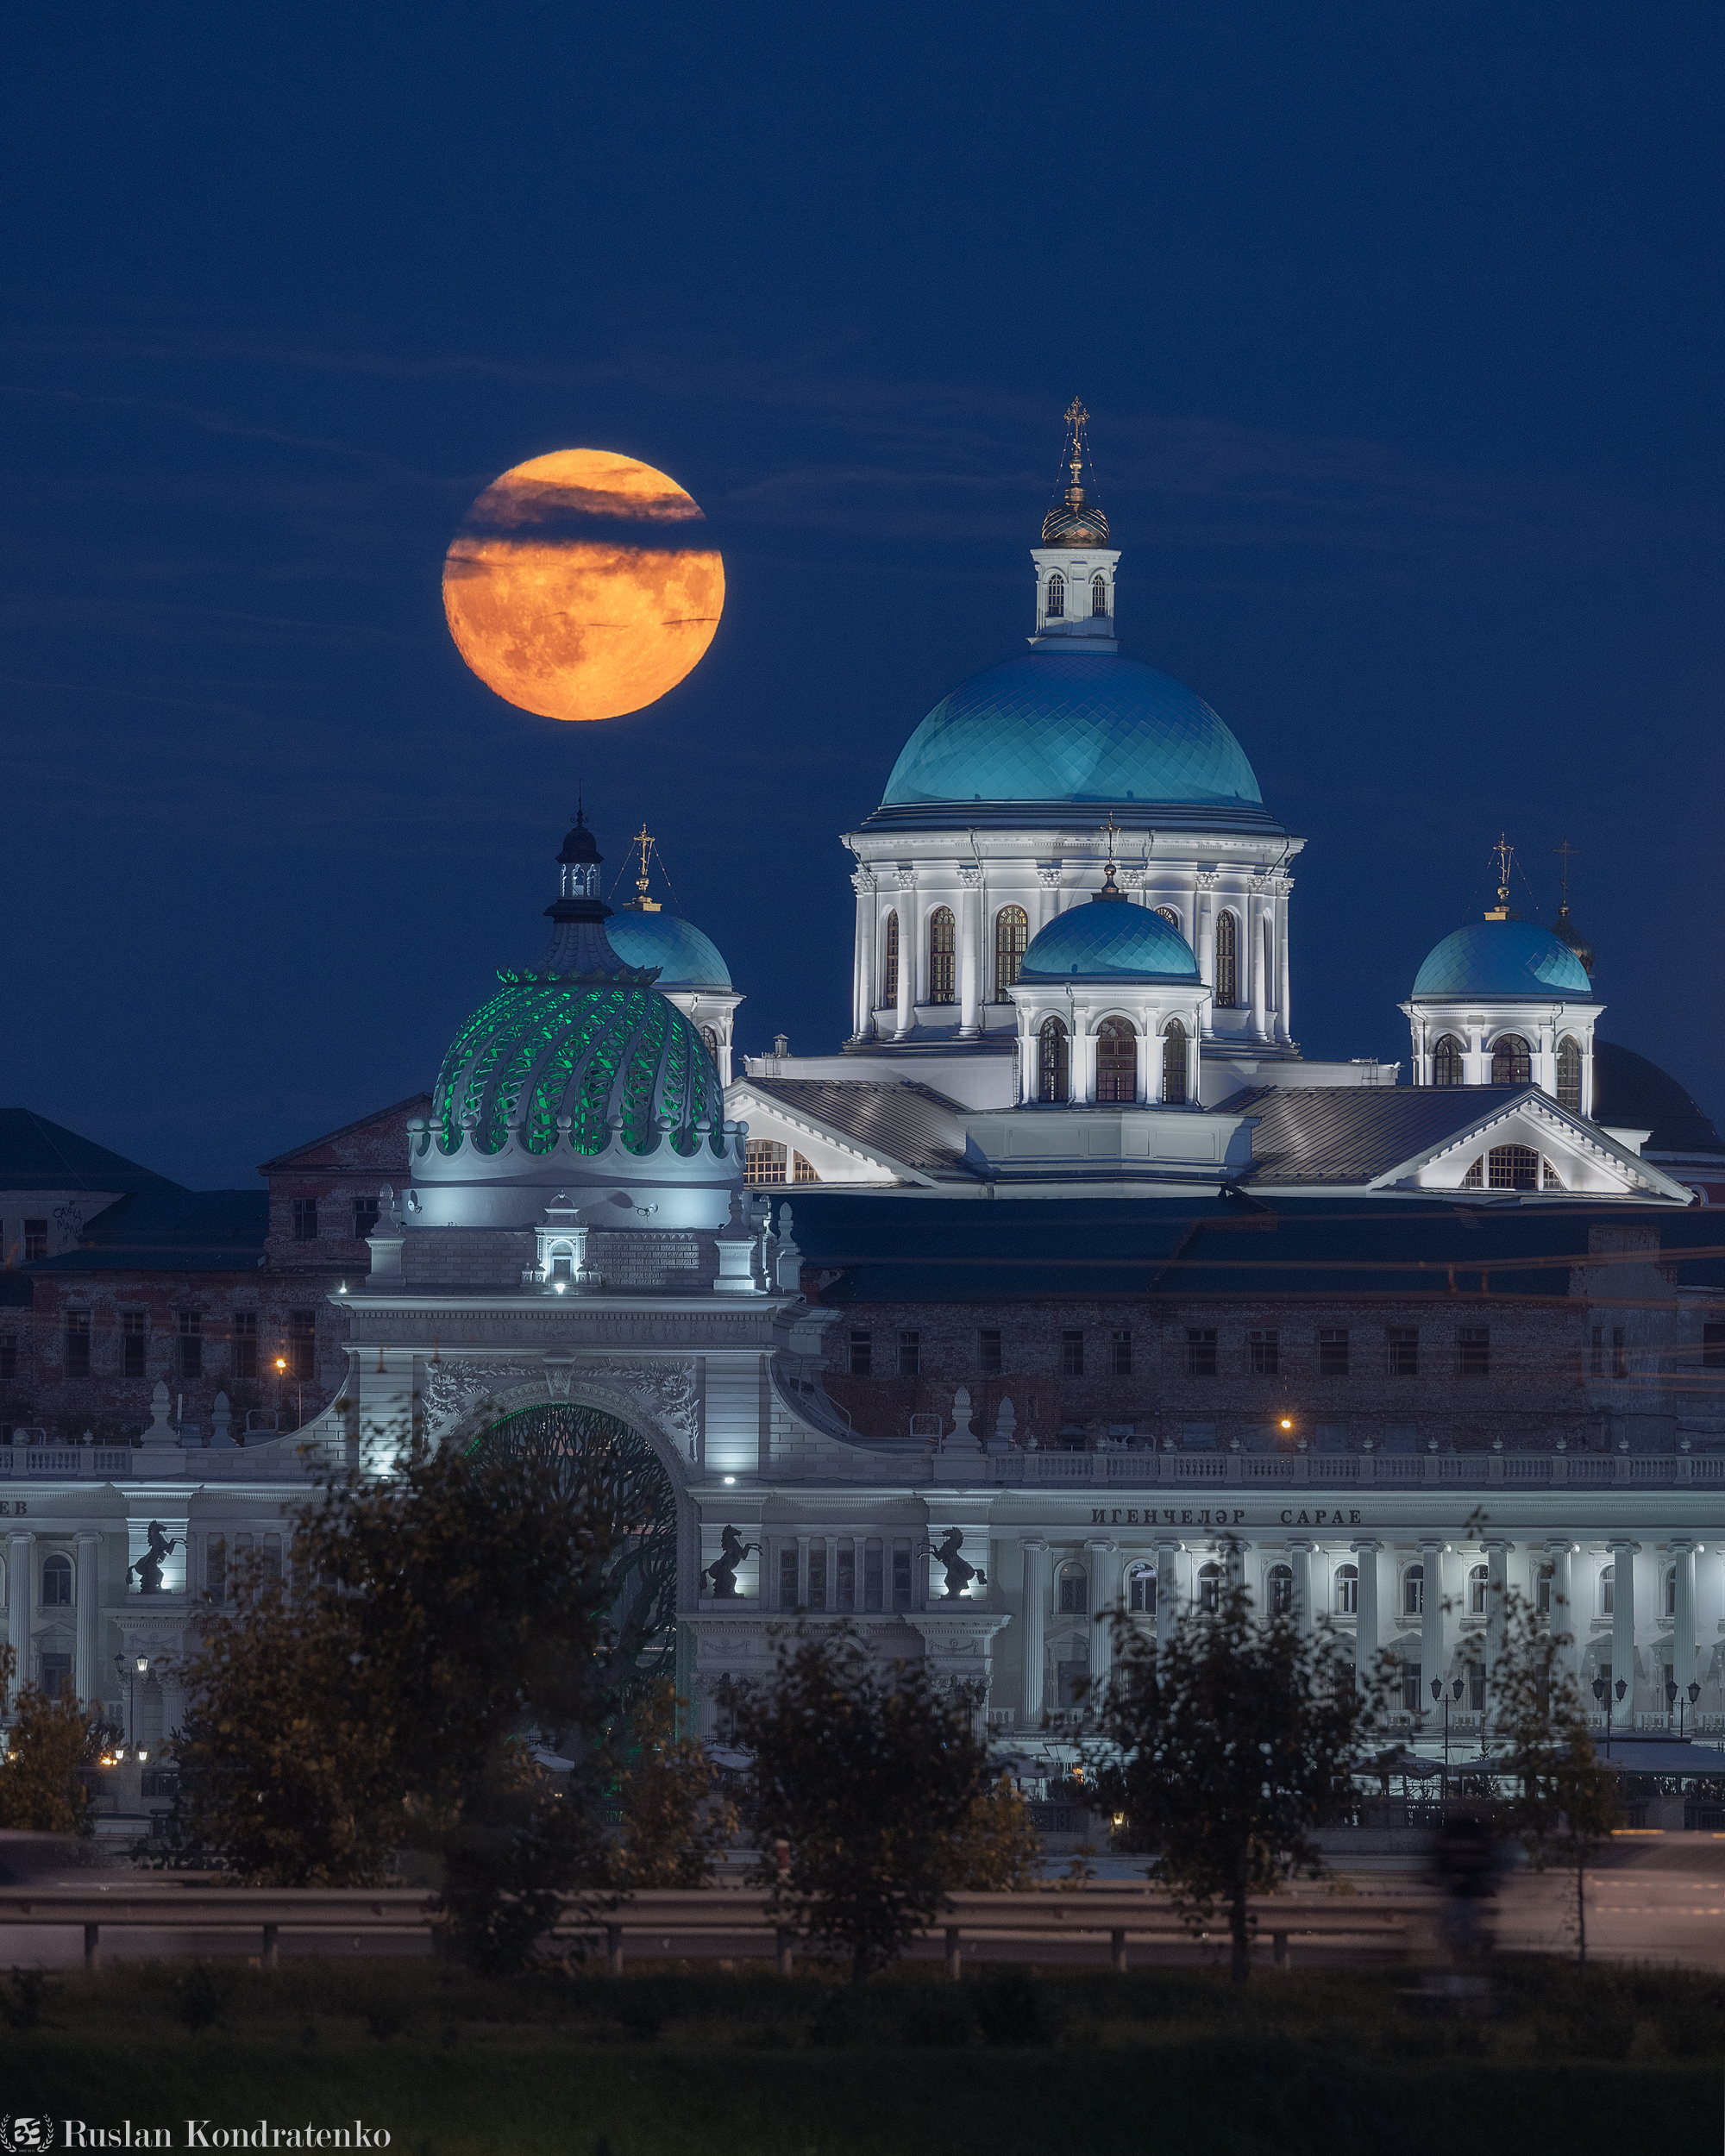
[383,1700]
[675,1820]
[21,2001]
[996,1844]
[873,1780]
[198,1996]
[1232,1742]
[48,1741]
[1564,1804]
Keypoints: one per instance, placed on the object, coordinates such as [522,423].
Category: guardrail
[1339,1470]
[706,1922]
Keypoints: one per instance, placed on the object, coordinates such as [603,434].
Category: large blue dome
[1054,728]
[1502,958]
[1109,939]
[685,957]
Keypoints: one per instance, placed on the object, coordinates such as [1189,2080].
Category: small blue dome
[1056,726]
[685,957]
[1502,958]
[1109,939]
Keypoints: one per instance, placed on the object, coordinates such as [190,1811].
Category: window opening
[1332,1352]
[1281,1585]
[78,1343]
[1099,597]
[1012,933]
[1402,1352]
[941,948]
[1174,1064]
[1569,1073]
[1072,1354]
[862,1346]
[1141,1591]
[1473,1350]
[1477,1578]
[1413,1591]
[1116,1061]
[802,1171]
[764,1160]
[305,1219]
[1513,1167]
[57,1583]
[1120,1352]
[134,1341]
[988,1353]
[1051,1061]
[1075,1591]
[1227,975]
[1347,1590]
[1201,1351]
[1264,1350]
[1511,1061]
[1448,1068]
[1056,596]
[910,1354]
[889,965]
[1210,1587]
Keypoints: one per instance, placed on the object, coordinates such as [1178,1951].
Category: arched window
[1569,1073]
[1210,1587]
[1099,596]
[889,965]
[1608,1591]
[1116,1061]
[710,1035]
[1542,1591]
[1056,596]
[1512,1168]
[1670,1592]
[1141,1589]
[1511,1062]
[1477,1579]
[765,1162]
[1012,933]
[1347,1590]
[1280,1582]
[1447,1066]
[1549,1177]
[1228,966]
[1413,1591]
[57,1583]
[1074,1583]
[802,1171]
[1171,915]
[1174,1064]
[940,951]
[1052,1064]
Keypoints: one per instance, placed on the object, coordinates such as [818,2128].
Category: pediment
[1574,1157]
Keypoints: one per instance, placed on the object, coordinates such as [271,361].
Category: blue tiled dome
[1109,939]
[1502,958]
[685,957]
[1056,726]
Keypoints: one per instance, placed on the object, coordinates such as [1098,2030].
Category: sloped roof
[307,1156]
[1635,1094]
[909,1123]
[171,1231]
[906,1250]
[37,1154]
[1349,1134]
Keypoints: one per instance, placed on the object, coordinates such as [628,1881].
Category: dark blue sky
[1400,326]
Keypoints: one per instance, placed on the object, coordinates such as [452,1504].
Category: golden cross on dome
[641,903]
[1506,855]
[1568,853]
[1075,416]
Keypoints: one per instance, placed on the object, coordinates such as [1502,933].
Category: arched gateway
[584,1445]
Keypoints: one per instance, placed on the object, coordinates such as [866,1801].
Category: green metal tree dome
[579,1075]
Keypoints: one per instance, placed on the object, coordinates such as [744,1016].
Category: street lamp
[1439,1692]
[1599,1694]
[1672,1701]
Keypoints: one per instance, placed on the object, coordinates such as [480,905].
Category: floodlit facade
[1064,1286]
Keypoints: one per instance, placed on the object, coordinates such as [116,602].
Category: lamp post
[1599,1695]
[1673,1700]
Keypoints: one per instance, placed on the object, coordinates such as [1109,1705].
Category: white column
[1284,1022]
[1257,990]
[1167,1592]
[89,1592]
[1204,942]
[863,882]
[1300,1563]
[1683,1626]
[1432,1621]
[970,952]
[908,934]
[21,1588]
[1623,1633]
[1496,1603]
[1082,1066]
[1365,1622]
[1104,1599]
[1565,1618]
[1031,1615]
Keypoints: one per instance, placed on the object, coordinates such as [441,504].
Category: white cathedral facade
[1073,998]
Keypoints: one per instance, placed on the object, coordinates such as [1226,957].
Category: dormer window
[1099,597]
[1056,596]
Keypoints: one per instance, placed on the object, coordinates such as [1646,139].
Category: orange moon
[578,586]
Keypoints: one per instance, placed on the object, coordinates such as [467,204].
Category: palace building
[1063,1285]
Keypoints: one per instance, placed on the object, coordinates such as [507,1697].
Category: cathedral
[1063,1285]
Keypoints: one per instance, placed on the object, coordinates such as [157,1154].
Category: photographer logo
[19,2134]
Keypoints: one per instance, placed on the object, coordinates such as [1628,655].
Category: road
[1659,1900]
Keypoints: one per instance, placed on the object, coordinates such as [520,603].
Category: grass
[684,2064]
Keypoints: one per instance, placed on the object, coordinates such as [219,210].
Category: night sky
[1400,325]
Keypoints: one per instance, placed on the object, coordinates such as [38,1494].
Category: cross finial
[1111,831]
[1506,855]
[1568,853]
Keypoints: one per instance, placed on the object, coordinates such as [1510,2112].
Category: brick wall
[1523,1383]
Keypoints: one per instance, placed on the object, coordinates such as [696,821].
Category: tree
[48,1741]
[1229,1746]
[874,1780]
[1564,1804]
[388,1698]
[674,1821]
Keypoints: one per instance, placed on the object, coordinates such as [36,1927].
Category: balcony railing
[1344,1470]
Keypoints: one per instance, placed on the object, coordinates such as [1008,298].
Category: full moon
[578,588]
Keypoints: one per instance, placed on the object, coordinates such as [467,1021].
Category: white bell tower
[1075,564]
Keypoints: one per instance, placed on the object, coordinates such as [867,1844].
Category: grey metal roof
[1348,1134]
[170,1231]
[904,1121]
[37,1154]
